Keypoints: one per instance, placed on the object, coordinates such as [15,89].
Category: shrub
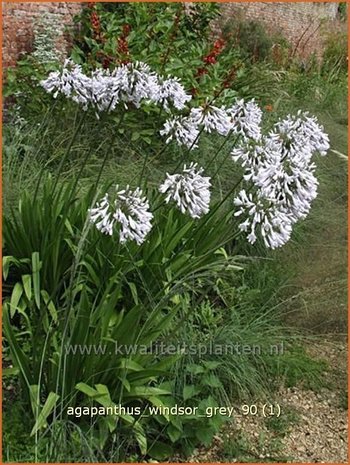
[254,42]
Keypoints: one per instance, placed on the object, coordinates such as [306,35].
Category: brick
[18,19]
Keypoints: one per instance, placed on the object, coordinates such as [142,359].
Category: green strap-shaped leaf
[50,305]
[16,297]
[36,265]
[86,389]
[45,412]
[18,356]
[27,285]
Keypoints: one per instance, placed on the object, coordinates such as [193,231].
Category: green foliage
[343,10]
[284,423]
[252,39]
[295,366]
[167,37]
[71,290]
[22,87]
[17,443]
[335,55]
[194,390]
[238,448]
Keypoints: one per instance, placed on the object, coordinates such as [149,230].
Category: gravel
[315,432]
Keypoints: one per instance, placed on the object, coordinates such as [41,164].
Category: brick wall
[18,20]
[303,24]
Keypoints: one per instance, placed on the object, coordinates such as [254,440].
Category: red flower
[201,71]
[210,59]
[95,22]
[219,44]
[123,47]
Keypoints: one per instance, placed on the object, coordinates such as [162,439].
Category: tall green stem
[69,149]
[107,153]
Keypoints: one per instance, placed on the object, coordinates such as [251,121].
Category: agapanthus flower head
[133,214]
[213,119]
[189,190]
[251,155]
[302,130]
[102,216]
[246,119]
[104,91]
[136,83]
[171,91]
[128,83]
[182,129]
[70,81]
[262,218]
[128,212]
[282,174]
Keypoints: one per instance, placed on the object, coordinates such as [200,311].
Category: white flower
[70,81]
[182,129]
[280,165]
[189,190]
[131,83]
[104,90]
[304,131]
[242,119]
[132,212]
[172,91]
[212,119]
[129,211]
[251,155]
[136,83]
[263,217]
[246,119]
[101,216]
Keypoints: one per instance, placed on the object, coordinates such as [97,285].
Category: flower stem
[68,151]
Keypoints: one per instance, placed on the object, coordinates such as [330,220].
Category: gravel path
[312,427]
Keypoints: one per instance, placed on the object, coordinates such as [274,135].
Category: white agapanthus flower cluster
[246,119]
[278,166]
[243,119]
[213,119]
[70,81]
[171,91]
[131,83]
[129,211]
[189,190]
[182,129]
[273,224]
[136,82]
[303,131]
[102,216]
[281,170]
